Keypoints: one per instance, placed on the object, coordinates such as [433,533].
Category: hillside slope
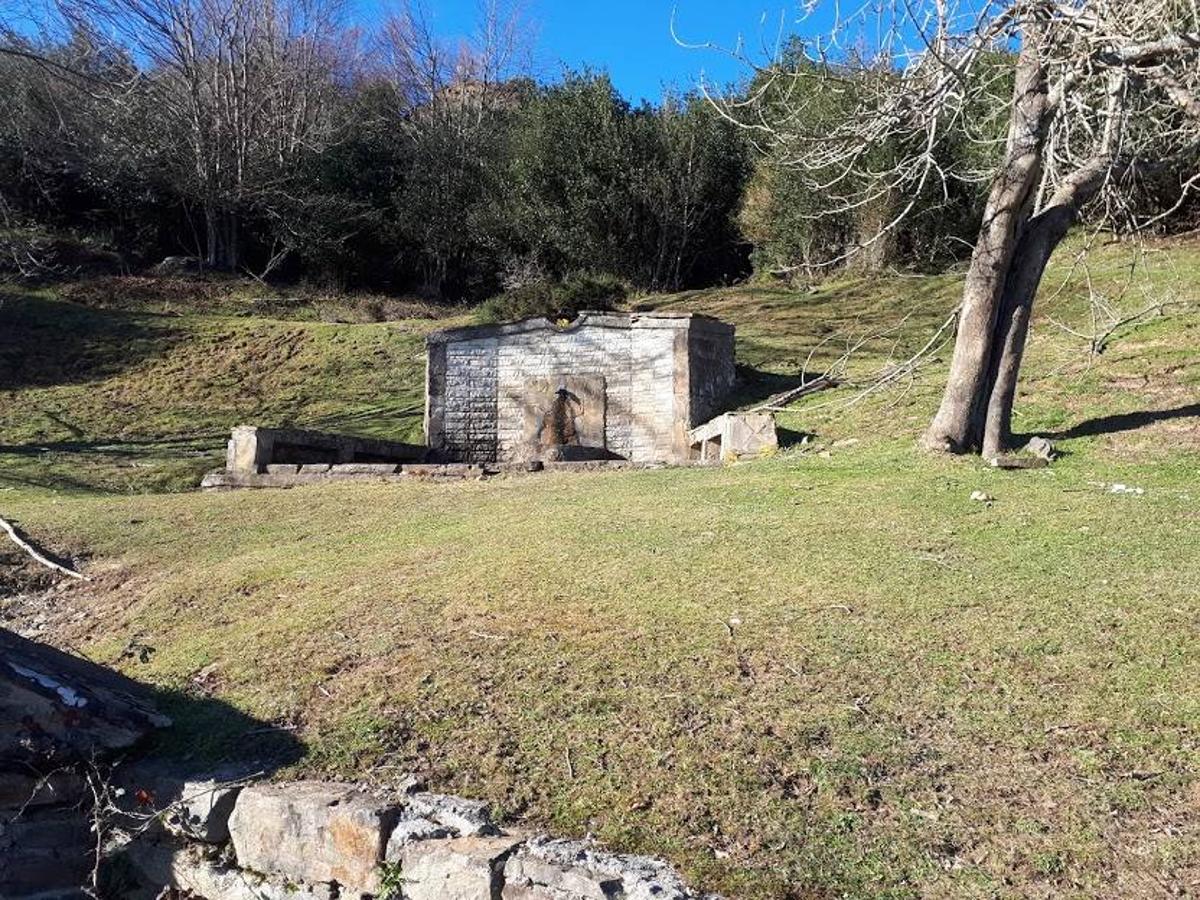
[829,673]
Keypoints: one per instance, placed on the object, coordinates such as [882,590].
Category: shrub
[555,300]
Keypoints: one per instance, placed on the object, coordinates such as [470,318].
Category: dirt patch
[30,595]
[135,293]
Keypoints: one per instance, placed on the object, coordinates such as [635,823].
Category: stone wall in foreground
[320,841]
[68,729]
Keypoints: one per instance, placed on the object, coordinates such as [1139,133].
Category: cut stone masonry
[626,385]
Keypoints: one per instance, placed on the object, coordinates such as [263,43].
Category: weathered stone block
[198,808]
[162,864]
[469,868]
[733,436]
[527,876]
[365,469]
[45,851]
[544,869]
[467,818]
[312,831]
[55,705]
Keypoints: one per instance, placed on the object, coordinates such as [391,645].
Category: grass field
[825,674]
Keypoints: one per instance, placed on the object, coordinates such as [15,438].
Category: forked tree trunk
[959,424]
[1041,235]
[1004,346]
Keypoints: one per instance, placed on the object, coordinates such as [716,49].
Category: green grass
[128,401]
[825,674]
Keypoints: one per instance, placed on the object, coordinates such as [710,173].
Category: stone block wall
[661,375]
[338,841]
[711,368]
[252,449]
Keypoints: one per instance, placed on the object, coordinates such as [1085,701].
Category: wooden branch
[782,399]
[32,551]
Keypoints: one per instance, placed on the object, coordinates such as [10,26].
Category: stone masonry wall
[711,369]
[334,841]
[470,400]
[477,383]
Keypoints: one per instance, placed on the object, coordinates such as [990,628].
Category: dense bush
[443,193]
[555,299]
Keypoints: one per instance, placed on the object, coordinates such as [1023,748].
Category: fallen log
[32,551]
[782,399]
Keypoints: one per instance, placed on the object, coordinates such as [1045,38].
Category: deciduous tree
[1107,93]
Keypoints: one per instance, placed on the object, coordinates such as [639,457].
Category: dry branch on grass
[33,552]
[778,401]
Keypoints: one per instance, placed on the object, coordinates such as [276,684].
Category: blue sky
[631,39]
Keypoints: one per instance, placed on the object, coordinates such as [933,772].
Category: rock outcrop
[230,835]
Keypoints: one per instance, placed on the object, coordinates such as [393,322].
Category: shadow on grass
[1119,422]
[122,447]
[101,707]
[207,733]
[106,468]
[47,479]
[756,386]
[789,437]
[48,342]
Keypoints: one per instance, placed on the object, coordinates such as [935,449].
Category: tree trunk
[1042,235]
[878,243]
[221,232]
[958,426]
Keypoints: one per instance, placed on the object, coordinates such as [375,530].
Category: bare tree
[239,89]
[1107,92]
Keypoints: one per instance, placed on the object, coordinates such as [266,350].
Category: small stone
[1126,489]
[314,469]
[204,809]
[465,817]
[982,497]
[409,831]
[1041,448]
